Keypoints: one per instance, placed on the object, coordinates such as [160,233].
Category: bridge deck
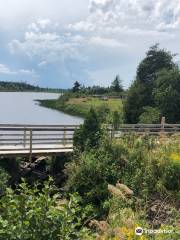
[37,149]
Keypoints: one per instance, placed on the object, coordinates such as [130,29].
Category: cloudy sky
[56,42]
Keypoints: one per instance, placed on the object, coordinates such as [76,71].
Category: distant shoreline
[25,87]
[45,91]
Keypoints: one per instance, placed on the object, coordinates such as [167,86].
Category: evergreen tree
[167,94]
[89,133]
[140,93]
[116,85]
[76,87]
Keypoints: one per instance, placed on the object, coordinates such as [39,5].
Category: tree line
[23,86]
[116,88]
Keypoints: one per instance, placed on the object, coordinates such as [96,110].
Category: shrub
[150,115]
[31,213]
[89,174]
[4,177]
[142,163]
[89,134]
[11,165]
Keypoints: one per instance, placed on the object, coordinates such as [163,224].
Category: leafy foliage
[116,118]
[4,177]
[142,163]
[88,135]
[89,175]
[167,94]
[31,213]
[140,94]
[150,115]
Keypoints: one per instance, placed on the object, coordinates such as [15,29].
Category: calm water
[20,108]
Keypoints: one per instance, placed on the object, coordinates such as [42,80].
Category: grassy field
[81,106]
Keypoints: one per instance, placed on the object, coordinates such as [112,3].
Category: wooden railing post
[64,136]
[24,138]
[30,146]
[163,121]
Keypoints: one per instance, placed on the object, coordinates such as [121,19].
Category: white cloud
[106,42]
[82,26]
[140,14]
[44,42]
[41,64]
[6,70]
[19,13]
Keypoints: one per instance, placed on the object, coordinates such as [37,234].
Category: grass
[81,106]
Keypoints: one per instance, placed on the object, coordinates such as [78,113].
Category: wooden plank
[36,129]
[38,125]
[46,151]
[34,139]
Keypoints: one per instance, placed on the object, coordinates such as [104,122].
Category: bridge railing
[152,129]
[29,139]
[36,138]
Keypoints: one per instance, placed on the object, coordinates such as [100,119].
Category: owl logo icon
[139,231]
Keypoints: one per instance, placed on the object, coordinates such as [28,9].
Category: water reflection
[20,108]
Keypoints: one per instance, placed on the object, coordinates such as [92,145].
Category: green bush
[142,163]
[89,174]
[11,165]
[146,166]
[31,213]
[89,134]
[150,115]
[4,177]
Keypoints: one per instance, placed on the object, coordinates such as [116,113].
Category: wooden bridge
[56,139]
[35,139]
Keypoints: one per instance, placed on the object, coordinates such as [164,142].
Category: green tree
[116,85]
[140,93]
[89,133]
[167,94]
[150,115]
[76,87]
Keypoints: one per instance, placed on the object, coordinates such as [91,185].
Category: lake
[21,108]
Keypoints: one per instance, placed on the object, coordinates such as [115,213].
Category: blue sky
[57,42]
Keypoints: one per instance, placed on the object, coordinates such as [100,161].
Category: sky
[53,43]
